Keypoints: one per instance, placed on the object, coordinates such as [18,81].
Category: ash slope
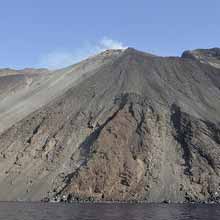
[13,80]
[133,127]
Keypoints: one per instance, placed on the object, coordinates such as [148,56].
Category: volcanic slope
[13,80]
[123,125]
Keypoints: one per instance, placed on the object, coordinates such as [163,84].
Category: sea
[107,211]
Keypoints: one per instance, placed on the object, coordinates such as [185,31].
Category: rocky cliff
[208,56]
[123,125]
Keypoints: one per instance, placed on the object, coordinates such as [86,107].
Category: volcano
[123,125]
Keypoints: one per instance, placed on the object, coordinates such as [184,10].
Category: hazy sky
[56,33]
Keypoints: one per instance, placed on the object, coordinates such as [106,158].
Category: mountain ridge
[209,56]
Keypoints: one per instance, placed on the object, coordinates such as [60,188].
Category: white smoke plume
[59,59]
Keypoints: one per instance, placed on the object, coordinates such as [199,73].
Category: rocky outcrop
[132,127]
[208,56]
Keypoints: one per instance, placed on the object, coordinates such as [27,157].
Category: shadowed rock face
[132,126]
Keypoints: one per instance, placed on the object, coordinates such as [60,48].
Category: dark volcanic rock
[134,127]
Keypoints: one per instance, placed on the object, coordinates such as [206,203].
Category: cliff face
[132,126]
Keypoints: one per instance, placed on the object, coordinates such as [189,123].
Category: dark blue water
[44,211]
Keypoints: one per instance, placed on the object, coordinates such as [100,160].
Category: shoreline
[116,202]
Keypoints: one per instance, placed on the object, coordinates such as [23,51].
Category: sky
[57,33]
